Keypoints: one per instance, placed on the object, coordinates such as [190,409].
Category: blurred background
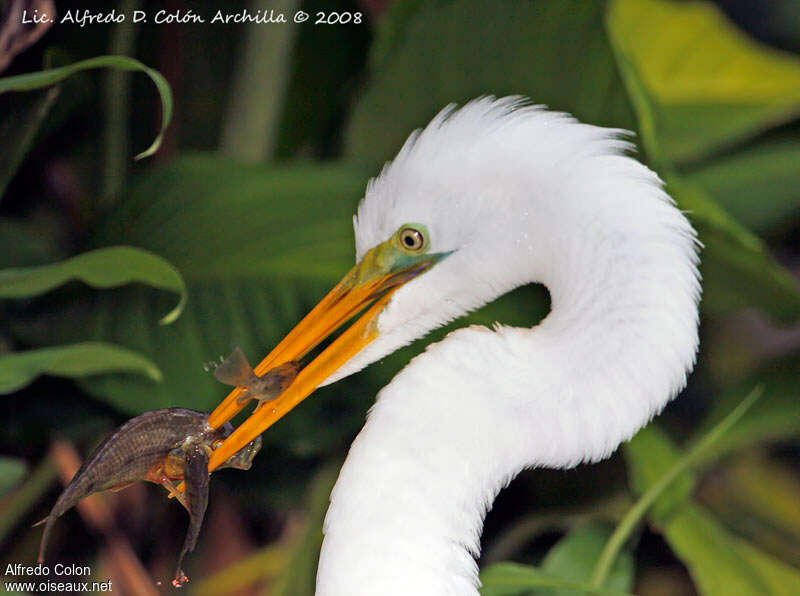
[275,129]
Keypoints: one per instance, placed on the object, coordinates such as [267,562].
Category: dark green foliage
[252,247]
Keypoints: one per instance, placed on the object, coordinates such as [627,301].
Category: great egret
[486,198]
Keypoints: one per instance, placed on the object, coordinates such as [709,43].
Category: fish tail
[235,370]
[49,520]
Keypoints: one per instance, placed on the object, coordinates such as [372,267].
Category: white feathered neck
[519,194]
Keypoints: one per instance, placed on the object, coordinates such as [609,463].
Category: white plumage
[519,194]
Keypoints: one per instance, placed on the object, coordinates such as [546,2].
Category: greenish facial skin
[394,260]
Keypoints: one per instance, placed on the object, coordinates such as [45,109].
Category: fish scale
[168,444]
[129,453]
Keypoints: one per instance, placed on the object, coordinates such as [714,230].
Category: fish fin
[173,491]
[235,370]
[118,487]
[197,480]
[245,397]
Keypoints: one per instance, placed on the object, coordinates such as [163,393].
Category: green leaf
[575,555]
[658,484]
[776,416]
[721,564]
[258,247]
[660,474]
[12,471]
[737,270]
[79,360]
[758,185]
[46,78]
[735,278]
[650,455]
[512,579]
[554,52]
[102,268]
[18,129]
[697,82]
[756,496]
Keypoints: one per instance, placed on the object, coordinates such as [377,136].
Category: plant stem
[117,86]
[250,129]
[637,512]
[26,496]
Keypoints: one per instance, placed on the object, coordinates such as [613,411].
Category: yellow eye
[216,444]
[412,239]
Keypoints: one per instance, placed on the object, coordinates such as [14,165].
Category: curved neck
[404,517]
[463,418]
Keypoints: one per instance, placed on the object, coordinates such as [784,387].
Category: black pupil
[410,239]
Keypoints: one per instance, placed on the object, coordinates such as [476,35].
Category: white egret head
[499,194]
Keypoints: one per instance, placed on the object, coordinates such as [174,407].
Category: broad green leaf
[650,454]
[18,129]
[704,211]
[757,497]
[78,360]
[697,82]
[512,579]
[737,269]
[12,471]
[554,52]
[721,564]
[659,472]
[258,247]
[575,555]
[735,278]
[776,417]
[759,186]
[101,268]
[771,490]
[659,480]
[46,78]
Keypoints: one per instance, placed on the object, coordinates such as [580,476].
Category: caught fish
[236,370]
[161,446]
[196,479]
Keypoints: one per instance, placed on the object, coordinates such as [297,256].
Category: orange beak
[369,285]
